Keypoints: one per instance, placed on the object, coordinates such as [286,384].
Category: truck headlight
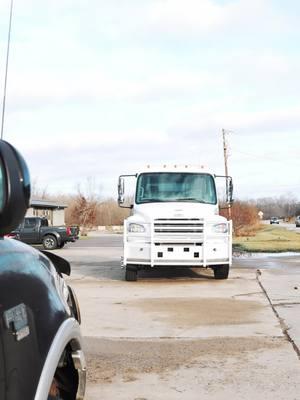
[220,228]
[136,228]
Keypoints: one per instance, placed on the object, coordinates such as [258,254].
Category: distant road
[290,227]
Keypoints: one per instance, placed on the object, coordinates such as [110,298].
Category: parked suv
[297,221]
[41,353]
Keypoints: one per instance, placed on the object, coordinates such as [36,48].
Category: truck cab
[175,221]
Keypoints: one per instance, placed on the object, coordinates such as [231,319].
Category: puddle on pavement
[188,313]
[271,261]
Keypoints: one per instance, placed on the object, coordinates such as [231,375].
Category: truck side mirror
[121,190]
[125,201]
[14,188]
[61,265]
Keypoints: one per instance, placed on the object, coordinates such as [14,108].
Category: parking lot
[180,334]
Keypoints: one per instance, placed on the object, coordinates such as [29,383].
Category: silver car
[274,220]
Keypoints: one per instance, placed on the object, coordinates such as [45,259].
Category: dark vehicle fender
[30,288]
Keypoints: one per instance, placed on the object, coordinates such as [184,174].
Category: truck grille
[177,229]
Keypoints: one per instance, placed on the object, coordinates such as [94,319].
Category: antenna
[6,68]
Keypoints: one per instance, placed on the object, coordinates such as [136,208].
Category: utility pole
[6,69]
[225,148]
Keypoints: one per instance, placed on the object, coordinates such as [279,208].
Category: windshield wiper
[194,199]
[174,200]
[152,201]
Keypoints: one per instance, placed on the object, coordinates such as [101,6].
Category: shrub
[244,217]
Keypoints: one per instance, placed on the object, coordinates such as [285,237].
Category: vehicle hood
[178,210]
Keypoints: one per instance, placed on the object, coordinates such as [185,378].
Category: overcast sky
[97,88]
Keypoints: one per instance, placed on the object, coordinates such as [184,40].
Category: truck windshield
[175,186]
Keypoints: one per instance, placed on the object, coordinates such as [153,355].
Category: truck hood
[150,211]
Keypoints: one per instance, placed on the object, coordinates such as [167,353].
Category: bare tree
[283,206]
[244,217]
[38,192]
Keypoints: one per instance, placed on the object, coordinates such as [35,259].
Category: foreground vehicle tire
[49,242]
[221,272]
[130,275]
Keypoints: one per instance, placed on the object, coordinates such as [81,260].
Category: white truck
[175,221]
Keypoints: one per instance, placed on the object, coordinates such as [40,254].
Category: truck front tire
[49,242]
[221,271]
[131,274]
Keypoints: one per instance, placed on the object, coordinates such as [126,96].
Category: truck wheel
[49,242]
[221,272]
[131,275]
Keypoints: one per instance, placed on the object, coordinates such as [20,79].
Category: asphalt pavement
[99,240]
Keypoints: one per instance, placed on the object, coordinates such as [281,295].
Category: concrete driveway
[181,334]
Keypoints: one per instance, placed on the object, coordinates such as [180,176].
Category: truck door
[29,232]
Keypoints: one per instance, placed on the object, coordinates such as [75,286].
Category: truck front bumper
[186,243]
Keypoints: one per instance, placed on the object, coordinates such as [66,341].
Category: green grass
[269,239]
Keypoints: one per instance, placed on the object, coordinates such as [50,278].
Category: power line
[6,69]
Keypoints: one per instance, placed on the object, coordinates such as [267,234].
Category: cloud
[107,160]
[109,86]
[190,16]
[254,176]
[193,18]
[199,123]
[60,63]
[82,142]
[266,121]
[42,88]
